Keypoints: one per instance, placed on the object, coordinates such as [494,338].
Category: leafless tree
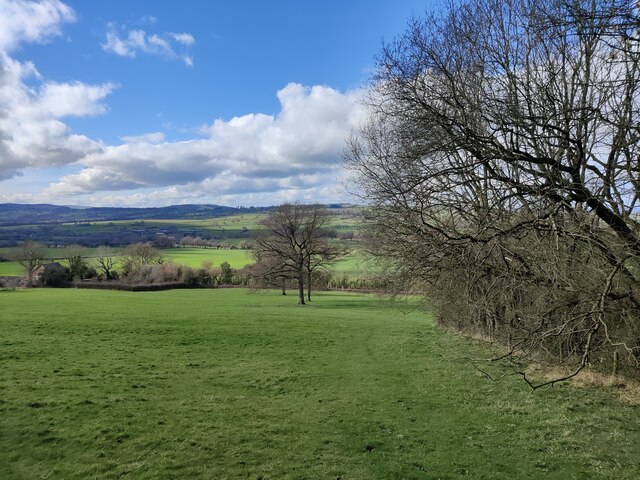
[106,260]
[268,271]
[29,255]
[502,166]
[138,255]
[291,245]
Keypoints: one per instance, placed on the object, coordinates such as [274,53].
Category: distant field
[204,384]
[10,269]
[221,226]
[230,230]
[195,256]
[234,221]
[353,264]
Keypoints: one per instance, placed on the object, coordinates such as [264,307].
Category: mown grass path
[224,384]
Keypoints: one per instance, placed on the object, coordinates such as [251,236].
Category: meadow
[11,269]
[355,264]
[228,384]
[194,257]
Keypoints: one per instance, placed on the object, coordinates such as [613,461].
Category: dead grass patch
[628,389]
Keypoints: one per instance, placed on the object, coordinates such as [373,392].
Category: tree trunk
[284,286]
[301,288]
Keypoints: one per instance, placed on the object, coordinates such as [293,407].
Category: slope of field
[204,384]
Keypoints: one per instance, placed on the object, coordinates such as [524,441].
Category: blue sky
[150,103]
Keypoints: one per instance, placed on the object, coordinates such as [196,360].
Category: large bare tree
[502,163]
[292,246]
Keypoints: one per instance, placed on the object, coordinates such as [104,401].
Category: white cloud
[250,159]
[72,99]
[169,45]
[183,38]
[34,22]
[31,131]
[296,151]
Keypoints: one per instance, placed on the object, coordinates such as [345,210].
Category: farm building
[49,274]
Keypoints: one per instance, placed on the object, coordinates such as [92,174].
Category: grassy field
[353,264]
[195,256]
[225,384]
[11,269]
[211,225]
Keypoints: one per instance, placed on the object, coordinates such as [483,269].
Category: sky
[153,103]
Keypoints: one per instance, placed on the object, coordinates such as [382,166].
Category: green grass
[231,222]
[195,256]
[353,264]
[11,269]
[223,384]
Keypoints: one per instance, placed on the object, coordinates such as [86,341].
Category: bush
[54,277]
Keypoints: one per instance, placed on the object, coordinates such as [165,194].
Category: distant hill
[28,214]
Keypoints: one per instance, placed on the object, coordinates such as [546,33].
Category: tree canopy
[502,164]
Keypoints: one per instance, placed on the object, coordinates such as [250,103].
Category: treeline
[142,267]
[114,235]
[140,264]
[501,166]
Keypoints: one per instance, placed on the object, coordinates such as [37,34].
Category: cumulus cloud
[296,150]
[169,45]
[32,133]
[250,159]
[31,21]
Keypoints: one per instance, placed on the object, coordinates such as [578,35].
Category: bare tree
[291,245]
[106,260]
[501,162]
[29,255]
[138,255]
[269,272]
[320,252]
